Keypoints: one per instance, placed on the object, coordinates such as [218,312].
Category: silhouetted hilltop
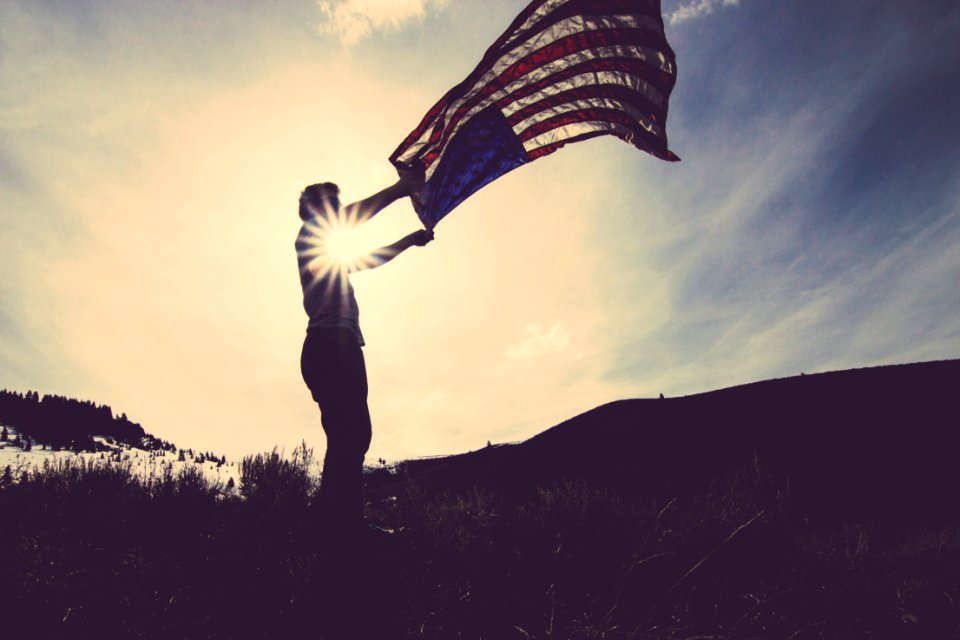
[875,443]
[64,422]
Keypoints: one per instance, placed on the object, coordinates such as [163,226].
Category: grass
[89,550]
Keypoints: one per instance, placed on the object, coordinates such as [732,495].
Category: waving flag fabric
[565,70]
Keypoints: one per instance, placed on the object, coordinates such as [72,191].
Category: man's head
[318,198]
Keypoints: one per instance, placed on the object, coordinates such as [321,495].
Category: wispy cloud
[697,9]
[540,340]
[353,20]
[795,245]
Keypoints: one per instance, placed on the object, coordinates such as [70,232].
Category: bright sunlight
[334,243]
[345,245]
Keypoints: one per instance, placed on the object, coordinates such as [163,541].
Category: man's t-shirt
[328,297]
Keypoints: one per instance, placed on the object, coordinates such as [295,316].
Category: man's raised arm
[362,210]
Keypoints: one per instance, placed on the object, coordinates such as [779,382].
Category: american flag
[565,71]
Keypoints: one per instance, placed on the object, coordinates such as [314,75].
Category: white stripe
[595,103]
[617,78]
[551,6]
[545,9]
[561,29]
[577,128]
[540,73]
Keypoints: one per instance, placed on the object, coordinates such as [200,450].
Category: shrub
[271,480]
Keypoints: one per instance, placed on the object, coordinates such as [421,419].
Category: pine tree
[4,435]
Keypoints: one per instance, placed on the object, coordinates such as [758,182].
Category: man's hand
[411,180]
[411,183]
[420,237]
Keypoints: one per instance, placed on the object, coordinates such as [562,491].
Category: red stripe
[547,149]
[588,8]
[594,114]
[492,50]
[663,154]
[427,121]
[642,138]
[570,44]
[661,80]
[565,46]
[616,92]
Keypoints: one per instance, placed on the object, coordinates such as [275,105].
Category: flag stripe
[533,14]
[585,86]
[652,111]
[562,39]
[557,49]
[522,27]
[573,98]
[606,63]
[589,114]
[628,60]
[554,10]
[565,71]
[588,132]
[575,129]
[523,127]
[594,9]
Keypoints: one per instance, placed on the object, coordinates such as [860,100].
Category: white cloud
[697,9]
[353,20]
[540,340]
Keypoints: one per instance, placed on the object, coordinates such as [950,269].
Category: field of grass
[89,550]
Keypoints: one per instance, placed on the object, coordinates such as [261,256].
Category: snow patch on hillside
[143,463]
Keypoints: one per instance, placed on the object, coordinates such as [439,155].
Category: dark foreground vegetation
[89,551]
[820,506]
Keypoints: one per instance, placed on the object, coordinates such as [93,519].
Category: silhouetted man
[332,361]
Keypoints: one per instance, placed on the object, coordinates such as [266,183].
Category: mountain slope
[877,443]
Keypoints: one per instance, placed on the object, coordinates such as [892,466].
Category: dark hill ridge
[63,422]
[871,443]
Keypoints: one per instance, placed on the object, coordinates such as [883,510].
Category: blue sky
[151,155]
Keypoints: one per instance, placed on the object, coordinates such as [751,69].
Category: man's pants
[333,367]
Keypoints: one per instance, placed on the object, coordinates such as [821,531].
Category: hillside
[870,443]
[771,510]
[63,422]
[36,431]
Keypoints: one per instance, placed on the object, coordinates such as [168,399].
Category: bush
[89,550]
[272,481]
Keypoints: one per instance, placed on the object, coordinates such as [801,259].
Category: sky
[152,154]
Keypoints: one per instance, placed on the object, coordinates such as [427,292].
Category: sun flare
[335,243]
[345,245]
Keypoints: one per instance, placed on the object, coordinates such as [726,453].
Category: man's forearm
[383,255]
[365,209]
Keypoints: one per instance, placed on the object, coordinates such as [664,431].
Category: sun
[335,244]
[345,245]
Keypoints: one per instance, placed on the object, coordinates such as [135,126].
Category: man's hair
[314,195]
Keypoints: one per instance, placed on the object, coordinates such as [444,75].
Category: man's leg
[335,371]
[342,396]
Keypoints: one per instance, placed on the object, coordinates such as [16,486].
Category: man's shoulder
[307,230]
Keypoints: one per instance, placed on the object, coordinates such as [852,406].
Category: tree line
[69,423]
